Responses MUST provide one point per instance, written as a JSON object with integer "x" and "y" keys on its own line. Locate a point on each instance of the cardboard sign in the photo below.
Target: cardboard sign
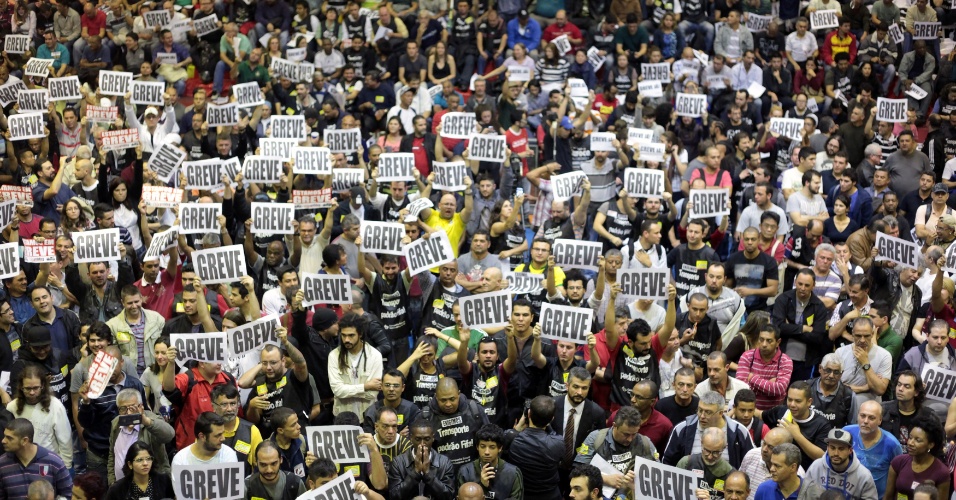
{"x": 253, "y": 336}
{"x": 101, "y": 370}
{"x": 916, "y": 92}
{"x": 660, "y": 72}
{"x": 9, "y": 260}
{"x": 644, "y": 182}
{"x": 203, "y": 174}
{"x": 519, "y": 74}
{"x": 449, "y": 176}
{"x": 148, "y": 93}
{"x": 166, "y": 58}
{"x": 457, "y": 125}
{"x": 564, "y": 186}
{"x": 272, "y": 218}
{"x": 284, "y": 68}
{"x": 650, "y": 88}
{"x": 115, "y": 82}
{"x": 940, "y": 383}
{"x": 637, "y": 136}
{"x": 487, "y": 147}
{"x": 199, "y": 218}
{"x": 289, "y": 127}
{"x": 382, "y": 237}
{"x": 342, "y": 140}
{"x": 314, "y": 161}
{"x": 338, "y": 443}
{"x": 891, "y": 110}
{"x": 27, "y": 126}
{"x": 757, "y": 23}
{"x": 262, "y": 169}
{"x": 563, "y": 44}
{"x": 525, "y": 283}
{"x": 16, "y": 44}
{"x": 595, "y": 58}
{"x": 787, "y": 127}
{"x": 326, "y": 289}
{"x": 21, "y": 194}
{"x": 312, "y": 198}
{"x": 38, "y": 67}
{"x": 64, "y": 89}
{"x": 602, "y": 141}
{"x": 650, "y": 284}
{"x": 101, "y": 113}
{"x": 340, "y": 488}
{"x": 656, "y": 481}
{"x": 156, "y": 18}
{"x": 220, "y": 265}
{"x": 206, "y": 25}
{"x": 824, "y": 19}
{"x": 222, "y": 481}
{"x": 33, "y": 100}
{"x": 297, "y": 55}
{"x": 709, "y": 202}
{"x": 162, "y": 196}
{"x": 6, "y": 212}
{"x": 486, "y": 310}
{"x": 165, "y": 161}
{"x": 39, "y": 252}
{"x": 904, "y": 253}
{"x": 118, "y": 140}
{"x": 574, "y": 254}
{"x": 160, "y": 243}
{"x": 425, "y": 254}
{"x": 10, "y": 92}
{"x": 226, "y": 115}
{"x": 926, "y": 31}
{"x": 277, "y": 147}
{"x": 570, "y": 324}
{"x": 653, "y": 151}
{"x": 345, "y": 178}
{"x": 895, "y": 33}
{"x": 248, "y": 94}
{"x": 396, "y": 167}
{"x": 692, "y": 105}
{"x": 96, "y": 246}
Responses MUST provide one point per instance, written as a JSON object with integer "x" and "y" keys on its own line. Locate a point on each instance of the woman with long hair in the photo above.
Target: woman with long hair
{"x": 422, "y": 370}
{"x": 669, "y": 39}
{"x": 839, "y": 227}
{"x": 622, "y": 75}
{"x": 273, "y": 51}
{"x": 675, "y": 160}
{"x": 140, "y": 480}
{"x": 73, "y": 219}
{"x": 866, "y": 74}
{"x": 391, "y": 140}
{"x": 746, "y": 338}
{"x": 508, "y": 239}
{"x": 441, "y": 65}
{"x": 152, "y": 378}
{"x": 519, "y": 57}
{"x": 33, "y": 402}
{"x": 922, "y": 460}
{"x": 24, "y": 21}
{"x": 552, "y": 68}
{"x": 810, "y": 82}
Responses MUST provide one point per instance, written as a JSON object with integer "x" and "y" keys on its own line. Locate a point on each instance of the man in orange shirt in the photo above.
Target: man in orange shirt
{"x": 838, "y": 41}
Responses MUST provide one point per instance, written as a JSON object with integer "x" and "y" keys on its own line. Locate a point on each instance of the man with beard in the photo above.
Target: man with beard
{"x": 50, "y": 193}
{"x": 619, "y": 446}
{"x": 718, "y": 380}
{"x": 808, "y": 428}
{"x": 487, "y": 380}
{"x": 578, "y": 417}
{"x": 354, "y": 368}
{"x": 272, "y": 483}
{"x": 196, "y": 317}
{"x": 840, "y": 469}
{"x": 277, "y": 300}
{"x": 899, "y": 416}
{"x": 240, "y": 434}
{"x": 686, "y": 259}
{"x": 388, "y": 300}
{"x": 421, "y": 469}
{"x": 208, "y": 448}
{"x": 866, "y": 366}
{"x": 752, "y": 274}
{"x": 136, "y": 329}
{"x": 497, "y": 477}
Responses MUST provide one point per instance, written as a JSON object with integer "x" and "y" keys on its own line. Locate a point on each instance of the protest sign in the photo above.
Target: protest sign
{"x": 382, "y": 237}
{"x": 38, "y": 67}
{"x": 272, "y": 218}
{"x": 564, "y": 186}
{"x": 926, "y": 31}
{"x": 574, "y": 254}
{"x": 21, "y": 194}
{"x": 162, "y": 196}
{"x": 149, "y": 93}
{"x": 602, "y": 141}
{"x": 199, "y": 218}
{"x": 916, "y": 92}
{"x": 160, "y": 243}
{"x": 579, "y": 88}
{"x": 33, "y": 100}
{"x": 222, "y": 481}
{"x": 644, "y": 182}
{"x": 487, "y": 147}
{"x": 457, "y": 125}
{"x": 518, "y": 74}
{"x": 247, "y": 94}
{"x": 563, "y": 44}
{"x": 338, "y": 443}
{"x": 343, "y": 140}
{"x": 757, "y": 23}
{"x": 340, "y": 488}
{"x": 651, "y": 151}
{"x": 9, "y": 260}
{"x": 692, "y": 105}
{"x": 156, "y": 18}
{"x": 660, "y": 72}
{"x": 166, "y": 58}
{"x": 16, "y": 44}
{"x": 650, "y": 88}
{"x": 595, "y": 58}
{"x": 891, "y": 110}
{"x": 650, "y": 284}
{"x": 525, "y": 283}
{"x": 570, "y": 324}
{"x": 220, "y": 265}
{"x": 206, "y": 25}
{"x": 262, "y": 169}
{"x": 115, "y": 82}
{"x": 326, "y": 289}
{"x": 486, "y": 310}
{"x": 6, "y": 212}
{"x": 100, "y": 372}
{"x": 895, "y": 33}
{"x": 449, "y": 176}
{"x": 180, "y": 27}
{"x": 824, "y": 19}
{"x": 656, "y": 481}
{"x": 289, "y": 127}
{"x": 222, "y": 116}
{"x": 305, "y": 72}
{"x": 791, "y": 128}
{"x": 756, "y": 90}
{"x": 709, "y": 202}
{"x": 637, "y": 136}
{"x": 284, "y": 68}
{"x": 940, "y": 383}
{"x": 96, "y": 246}
{"x": 203, "y": 174}
{"x": 314, "y": 161}
{"x": 64, "y": 89}
{"x": 281, "y": 148}
{"x": 10, "y": 92}
{"x": 312, "y": 198}
{"x": 296, "y": 55}
{"x": 253, "y": 335}
{"x": 26, "y": 126}
{"x": 396, "y": 167}
{"x": 118, "y": 140}
{"x": 424, "y": 254}
{"x": 166, "y": 160}
{"x": 344, "y": 178}
{"x": 39, "y": 252}
{"x": 102, "y": 113}
{"x": 902, "y": 252}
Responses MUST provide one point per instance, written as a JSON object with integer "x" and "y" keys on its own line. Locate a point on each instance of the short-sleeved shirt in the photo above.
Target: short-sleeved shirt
{"x": 454, "y": 227}
{"x": 877, "y": 458}
{"x": 906, "y": 477}
{"x": 752, "y": 273}
{"x": 798, "y": 202}
{"x": 629, "y": 41}
{"x": 880, "y": 360}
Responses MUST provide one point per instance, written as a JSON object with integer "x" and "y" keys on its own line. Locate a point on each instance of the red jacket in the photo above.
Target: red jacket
{"x": 833, "y": 45}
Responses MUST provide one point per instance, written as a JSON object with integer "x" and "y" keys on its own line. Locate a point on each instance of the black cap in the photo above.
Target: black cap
{"x": 262, "y": 197}
{"x": 37, "y": 336}
{"x": 523, "y": 13}
{"x": 323, "y": 318}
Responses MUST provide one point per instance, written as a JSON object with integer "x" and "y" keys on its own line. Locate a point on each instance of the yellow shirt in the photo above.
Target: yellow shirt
{"x": 527, "y": 268}
{"x": 256, "y": 439}
{"x": 455, "y": 228}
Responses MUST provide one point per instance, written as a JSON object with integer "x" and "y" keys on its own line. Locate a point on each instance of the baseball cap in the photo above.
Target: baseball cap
{"x": 940, "y": 188}
{"x": 839, "y": 436}
{"x": 315, "y": 135}
{"x": 37, "y": 336}
{"x": 151, "y": 111}
{"x": 262, "y": 198}
{"x": 523, "y": 13}
{"x": 566, "y": 123}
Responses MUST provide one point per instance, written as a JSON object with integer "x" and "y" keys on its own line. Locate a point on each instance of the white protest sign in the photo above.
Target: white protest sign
{"x": 6, "y": 212}
{"x": 199, "y": 218}
{"x": 916, "y": 92}
{"x": 26, "y": 126}
{"x": 564, "y": 186}
{"x": 904, "y": 253}
{"x": 637, "y": 136}
{"x": 253, "y": 336}
{"x": 340, "y": 488}
{"x": 570, "y": 324}
{"x": 203, "y": 174}
{"x": 787, "y": 127}
{"x": 487, "y": 147}
{"x": 602, "y": 141}
{"x": 891, "y": 110}
{"x": 525, "y": 283}
{"x": 179, "y": 27}
{"x": 166, "y": 160}
{"x": 222, "y": 481}
{"x": 343, "y": 140}
{"x": 650, "y": 88}
{"x": 701, "y": 56}
{"x": 262, "y": 169}
{"x": 272, "y": 218}
{"x": 206, "y": 25}
{"x": 926, "y": 31}
{"x": 96, "y": 246}
{"x": 940, "y": 383}
{"x": 326, "y": 289}
{"x": 160, "y": 243}
{"x": 9, "y": 260}
{"x": 10, "y": 91}
{"x": 344, "y": 178}
{"x": 424, "y": 254}
{"x": 277, "y": 147}
{"x": 823, "y": 19}
{"x": 296, "y": 55}
{"x": 415, "y": 208}
{"x": 220, "y": 265}
{"x": 38, "y": 67}
{"x": 382, "y": 237}
{"x": 449, "y": 176}
{"x": 578, "y": 87}
{"x": 486, "y": 310}
{"x": 162, "y": 196}
{"x": 396, "y": 167}
{"x": 315, "y": 161}
{"x": 656, "y": 481}
{"x": 101, "y": 370}
{"x": 284, "y": 67}
{"x": 289, "y": 127}
{"x": 651, "y": 151}
{"x": 64, "y": 89}
{"x": 757, "y": 23}
{"x": 21, "y": 194}
{"x": 156, "y": 18}
{"x": 563, "y": 44}
{"x": 305, "y": 72}
{"x": 650, "y": 284}
{"x": 166, "y": 58}
{"x": 222, "y": 116}
{"x": 595, "y": 58}
{"x": 574, "y": 254}
{"x": 338, "y": 443}
{"x": 660, "y": 72}
{"x": 102, "y": 113}
{"x": 115, "y": 82}
{"x": 692, "y": 105}
{"x": 16, "y": 44}
{"x": 118, "y": 140}
{"x": 34, "y": 100}
{"x": 756, "y": 90}
{"x": 247, "y": 94}
{"x": 312, "y": 198}
{"x": 709, "y": 202}
{"x": 39, "y": 252}
{"x": 644, "y": 182}
{"x": 895, "y": 33}
{"x": 457, "y": 125}
{"x": 519, "y": 74}
{"x": 149, "y": 93}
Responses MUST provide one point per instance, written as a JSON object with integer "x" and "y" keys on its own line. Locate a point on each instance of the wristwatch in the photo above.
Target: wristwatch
{"x": 866, "y": 367}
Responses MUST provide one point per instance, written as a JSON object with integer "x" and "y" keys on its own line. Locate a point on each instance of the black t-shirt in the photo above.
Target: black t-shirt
{"x": 691, "y": 266}
{"x": 704, "y": 342}
{"x": 752, "y": 273}
{"x": 815, "y": 429}
{"x": 675, "y": 412}
{"x": 420, "y": 386}
{"x": 492, "y": 35}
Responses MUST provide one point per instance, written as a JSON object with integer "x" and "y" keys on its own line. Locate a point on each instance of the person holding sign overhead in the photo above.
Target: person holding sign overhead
{"x": 486, "y": 380}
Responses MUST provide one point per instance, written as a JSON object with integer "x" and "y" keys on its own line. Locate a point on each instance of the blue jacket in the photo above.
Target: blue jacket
{"x": 531, "y": 37}
{"x": 861, "y": 205}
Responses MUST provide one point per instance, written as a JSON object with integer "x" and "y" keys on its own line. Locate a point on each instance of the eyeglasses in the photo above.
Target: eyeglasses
{"x": 711, "y": 453}
{"x": 228, "y": 405}
{"x": 143, "y": 460}
{"x": 129, "y": 409}
{"x": 828, "y": 371}
{"x": 707, "y": 413}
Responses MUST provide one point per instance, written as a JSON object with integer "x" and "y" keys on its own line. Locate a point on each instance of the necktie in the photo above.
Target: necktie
{"x": 569, "y": 438}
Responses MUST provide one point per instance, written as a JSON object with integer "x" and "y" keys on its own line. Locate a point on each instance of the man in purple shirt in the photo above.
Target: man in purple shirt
{"x": 24, "y": 462}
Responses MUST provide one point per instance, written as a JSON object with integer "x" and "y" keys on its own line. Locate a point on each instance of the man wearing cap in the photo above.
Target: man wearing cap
{"x": 526, "y": 31}
{"x": 316, "y": 344}
{"x": 927, "y": 216}
{"x": 839, "y": 469}
{"x": 38, "y": 350}
{"x": 404, "y": 110}
{"x": 151, "y": 134}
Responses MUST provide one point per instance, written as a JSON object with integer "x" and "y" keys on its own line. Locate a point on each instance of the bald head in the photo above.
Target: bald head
{"x": 778, "y": 435}
{"x": 447, "y": 385}
{"x": 471, "y": 491}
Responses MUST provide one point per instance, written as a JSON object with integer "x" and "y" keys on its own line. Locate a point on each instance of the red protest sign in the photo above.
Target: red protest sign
{"x": 100, "y": 372}
{"x": 39, "y": 252}
{"x": 21, "y": 194}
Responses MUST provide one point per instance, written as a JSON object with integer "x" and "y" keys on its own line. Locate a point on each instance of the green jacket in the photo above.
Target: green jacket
{"x": 123, "y": 336}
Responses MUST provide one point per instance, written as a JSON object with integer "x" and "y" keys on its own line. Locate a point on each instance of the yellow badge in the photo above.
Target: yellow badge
{"x": 281, "y": 383}
{"x": 565, "y": 376}
{"x": 491, "y": 383}
{"x": 702, "y": 264}
{"x": 719, "y": 485}
{"x": 438, "y": 303}
{"x": 64, "y": 370}
{"x": 401, "y": 419}
{"x": 15, "y": 345}
{"x": 354, "y": 469}
{"x": 123, "y": 337}
{"x": 628, "y": 351}
{"x": 179, "y": 307}
{"x": 379, "y": 99}
{"x": 262, "y": 389}
{"x": 258, "y": 498}
{"x": 583, "y": 449}
{"x": 242, "y": 447}
{"x": 810, "y": 320}
{"x": 900, "y": 496}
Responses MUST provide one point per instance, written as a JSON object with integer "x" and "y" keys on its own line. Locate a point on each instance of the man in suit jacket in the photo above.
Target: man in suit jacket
{"x": 801, "y": 317}
{"x": 588, "y": 417}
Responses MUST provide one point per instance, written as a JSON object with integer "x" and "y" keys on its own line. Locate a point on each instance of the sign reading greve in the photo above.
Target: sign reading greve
{"x": 16, "y": 44}
{"x": 571, "y": 324}
{"x": 223, "y": 481}
{"x": 487, "y": 147}
{"x": 116, "y": 140}
{"x": 926, "y": 31}
{"x": 10, "y": 260}
{"x": 262, "y": 169}
{"x": 162, "y": 196}
{"x": 247, "y": 94}
{"x": 326, "y": 289}
{"x": 222, "y": 116}
{"x": 96, "y": 246}
{"x": 165, "y": 161}
{"x": 277, "y": 147}
{"x": 272, "y": 218}
{"x": 101, "y": 369}
{"x": 904, "y": 253}
{"x": 660, "y": 72}
{"x": 342, "y": 141}
{"x": 148, "y": 93}
{"x": 574, "y": 254}
{"x": 64, "y": 89}
{"x": 34, "y": 100}
{"x": 525, "y": 283}
{"x": 656, "y": 481}
{"x": 458, "y": 125}
{"x": 486, "y": 310}
{"x": 340, "y": 488}
{"x": 156, "y": 18}
{"x": 220, "y": 265}
{"x": 709, "y": 202}
{"x": 315, "y": 161}
{"x": 199, "y": 218}
{"x": 289, "y": 127}
{"x": 21, "y": 194}
{"x": 312, "y": 198}
{"x": 602, "y": 141}
{"x": 891, "y": 110}
{"x": 101, "y": 113}
{"x": 692, "y": 105}
{"x": 338, "y": 443}
{"x": 10, "y": 91}
{"x": 161, "y": 242}
{"x": 26, "y": 126}
{"x": 940, "y": 383}
{"x": 426, "y": 253}
{"x": 824, "y": 19}
{"x": 39, "y": 252}
{"x": 253, "y": 336}
{"x": 791, "y": 128}
{"x": 396, "y": 167}
{"x": 649, "y": 284}
{"x": 344, "y": 178}
{"x": 115, "y": 82}
{"x": 565, "y": 186}
{"x": 644, "y": 182}
{"x": 203, "y": 174}
{"x": 382, "y": 237}
{"x": 449, "y": 176}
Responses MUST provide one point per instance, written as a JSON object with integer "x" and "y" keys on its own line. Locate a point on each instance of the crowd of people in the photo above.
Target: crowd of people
{"x": 789, "y": 360}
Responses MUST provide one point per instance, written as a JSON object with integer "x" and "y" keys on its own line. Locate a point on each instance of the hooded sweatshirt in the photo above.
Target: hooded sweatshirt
{"x": 855, "y": 483}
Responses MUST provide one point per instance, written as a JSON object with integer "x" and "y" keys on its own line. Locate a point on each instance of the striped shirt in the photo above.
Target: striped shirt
{"x": 603, "y": 187}
{"x": 769, "y": 381}
{"x": 552, "y": 73}
{"x": 828, "y": 286}
{"x": 15, "y": 479}
{"x": 888, "y": 146}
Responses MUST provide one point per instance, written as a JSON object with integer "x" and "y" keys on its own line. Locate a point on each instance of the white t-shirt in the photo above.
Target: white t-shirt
{"x": 185, "y": 457}
{"x": 273, "y": 302}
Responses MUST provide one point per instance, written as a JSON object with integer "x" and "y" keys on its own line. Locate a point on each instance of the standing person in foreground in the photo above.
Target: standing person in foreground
{"x": 24, "y": 462}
